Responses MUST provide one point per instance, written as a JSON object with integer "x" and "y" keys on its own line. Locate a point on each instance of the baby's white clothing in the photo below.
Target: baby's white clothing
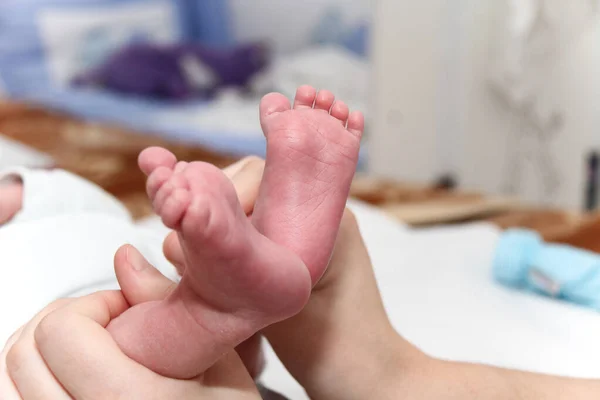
{"x": 57, "y": 192}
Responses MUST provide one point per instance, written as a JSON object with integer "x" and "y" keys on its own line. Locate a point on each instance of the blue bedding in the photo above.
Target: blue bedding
{"x": 147, "y": 115}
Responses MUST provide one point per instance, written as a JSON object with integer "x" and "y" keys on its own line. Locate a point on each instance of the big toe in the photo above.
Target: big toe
{"x": 155, "y": 157}
{"x": 273, "y": 103}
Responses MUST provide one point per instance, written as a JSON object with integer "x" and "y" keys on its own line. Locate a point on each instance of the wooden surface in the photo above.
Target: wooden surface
{"x": 104, "y": 154}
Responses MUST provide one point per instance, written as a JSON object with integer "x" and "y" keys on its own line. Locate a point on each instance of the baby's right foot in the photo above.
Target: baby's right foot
{"x": 312, "y": 155}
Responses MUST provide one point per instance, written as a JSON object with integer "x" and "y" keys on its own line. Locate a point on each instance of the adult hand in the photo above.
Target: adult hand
{"x": 65, "y": 353}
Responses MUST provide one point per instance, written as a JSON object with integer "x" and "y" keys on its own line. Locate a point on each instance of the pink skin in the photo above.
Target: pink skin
{"x": 242, "y": 276}
{"x": 236, "y": 281}
{"x": 312, "y": 153}
{"x": 11, "y": 200}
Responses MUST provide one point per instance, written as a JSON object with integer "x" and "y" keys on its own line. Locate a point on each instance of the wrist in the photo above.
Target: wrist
{"x": 400, "y": 373}
{"x": 377, "y": 366}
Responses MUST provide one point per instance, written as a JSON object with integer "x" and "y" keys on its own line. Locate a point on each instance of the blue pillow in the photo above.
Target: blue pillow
{"x": 44, "y": 42}
{"x": 210, "y": 21}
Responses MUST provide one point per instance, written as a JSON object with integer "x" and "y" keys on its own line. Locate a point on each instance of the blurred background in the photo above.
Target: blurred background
{"x": 475, "y": 109}
{"x": 91, "y": 83}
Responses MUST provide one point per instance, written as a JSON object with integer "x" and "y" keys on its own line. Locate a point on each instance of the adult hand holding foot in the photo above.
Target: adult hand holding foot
{"x": 66, "y": 353}
{"x": 242, "y": 275}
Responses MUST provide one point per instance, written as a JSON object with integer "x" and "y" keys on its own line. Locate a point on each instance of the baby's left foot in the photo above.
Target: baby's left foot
{"x": 235, "y": 283}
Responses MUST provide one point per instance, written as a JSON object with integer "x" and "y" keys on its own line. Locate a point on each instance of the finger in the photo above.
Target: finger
{"x": 25, "y": 366}
{"x": 349, "y": 249}
{"x": 80, "y": 352}
{"x": 30, "y": 374}
{"x": 27, "y": 328}
{"x": 88, "y": 363}
{"x": 246, "y": 176}
{"x": 174, "y": 253}
{"x": 100, "y": 307}
{"x": 11, "y": 340}
{"x": 228, "y": 379}
{"x": 8, "y": 390}
{"x": 140, "y": 282}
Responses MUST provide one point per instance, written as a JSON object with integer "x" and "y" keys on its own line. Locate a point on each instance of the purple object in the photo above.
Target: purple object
{"x": 178, "y": 71}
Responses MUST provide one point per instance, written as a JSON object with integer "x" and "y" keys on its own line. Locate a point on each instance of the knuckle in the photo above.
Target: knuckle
{"x": 50, "y": 326}
{"x": 17, "y": 356}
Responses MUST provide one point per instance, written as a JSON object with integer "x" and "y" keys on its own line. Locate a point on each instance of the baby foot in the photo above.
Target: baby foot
{"x": 235, "y": 283}
{"x": 312, "y": 154}
{"x": 11, "y": 200}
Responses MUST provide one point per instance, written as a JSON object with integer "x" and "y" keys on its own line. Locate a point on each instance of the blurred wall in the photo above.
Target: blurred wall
{"x": 434, "y": 112}
{"x": 419, "y": 62}
{"x": 290, "y": 23}
{"x": 573, "y": 86}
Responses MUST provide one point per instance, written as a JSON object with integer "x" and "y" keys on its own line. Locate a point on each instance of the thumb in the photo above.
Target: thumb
{"x": 140, "y": 282}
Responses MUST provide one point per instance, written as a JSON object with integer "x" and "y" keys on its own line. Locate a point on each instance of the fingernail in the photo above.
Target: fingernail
{"x": 135, "y": 259}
